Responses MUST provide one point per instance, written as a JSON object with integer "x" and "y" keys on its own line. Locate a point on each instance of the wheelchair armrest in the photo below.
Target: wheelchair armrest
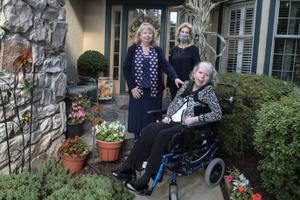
{"x": 198, "y": 125}
{"x": 159, "y": 112}
{"x": 154, "y": 115}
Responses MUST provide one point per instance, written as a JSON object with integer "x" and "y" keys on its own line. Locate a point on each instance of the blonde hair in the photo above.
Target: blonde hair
{"x": 143, "y": 26}
{"x": 213, "y": 73}
{"x": 185, "y": 25}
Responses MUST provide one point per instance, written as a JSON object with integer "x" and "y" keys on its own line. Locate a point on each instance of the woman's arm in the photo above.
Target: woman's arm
{"x": 165, "y": 65}
{"x": 128, "y": 67}
{"x": 207, "y": 96}
{"x": 196, "y": 56}
{"x": 210, "y": 98}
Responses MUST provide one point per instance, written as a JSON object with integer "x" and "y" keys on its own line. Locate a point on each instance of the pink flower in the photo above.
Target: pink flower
{"x": 229, "y": 179}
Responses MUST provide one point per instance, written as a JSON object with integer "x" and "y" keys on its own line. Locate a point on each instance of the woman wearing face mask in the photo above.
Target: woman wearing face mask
{"x": 184, "y": 56}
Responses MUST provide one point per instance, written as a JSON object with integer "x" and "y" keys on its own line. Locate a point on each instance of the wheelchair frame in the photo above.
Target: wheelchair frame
{"x": 180, "y": 163}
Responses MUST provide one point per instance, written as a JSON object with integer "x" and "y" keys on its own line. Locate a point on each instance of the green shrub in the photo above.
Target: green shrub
{"x": 91, "y": 62}
{"x": 236, "y": 128}
{"x": 50, "y": 181}
{"x": 277, "y": 139}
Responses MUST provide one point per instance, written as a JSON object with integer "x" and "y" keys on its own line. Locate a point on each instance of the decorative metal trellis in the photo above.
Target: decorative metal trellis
{"x": 10, "y": 88}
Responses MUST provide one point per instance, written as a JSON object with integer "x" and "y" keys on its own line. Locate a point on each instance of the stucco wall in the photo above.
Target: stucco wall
{"x": 94, "y": 25}
{"x": 74, "y": 40}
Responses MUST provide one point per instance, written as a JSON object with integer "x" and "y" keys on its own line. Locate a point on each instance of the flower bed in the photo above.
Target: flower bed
{"x": 239, "y": 188}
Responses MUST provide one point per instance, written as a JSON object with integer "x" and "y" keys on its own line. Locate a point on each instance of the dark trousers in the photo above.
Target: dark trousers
{"x": 154, "y": 141}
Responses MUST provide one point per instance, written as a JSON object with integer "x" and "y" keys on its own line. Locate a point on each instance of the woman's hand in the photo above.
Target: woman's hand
{"x": 136, "y": 92}
{"x": 178, "y": 82}
{"x": 166, "y": 120}
{"x": 190, "y": 120}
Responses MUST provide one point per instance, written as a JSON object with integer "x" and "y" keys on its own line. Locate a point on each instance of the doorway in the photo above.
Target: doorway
{"x": 125, "y": 20}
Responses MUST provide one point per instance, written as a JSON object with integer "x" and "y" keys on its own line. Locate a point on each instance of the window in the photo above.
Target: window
{"x": 172, "y": 29}
{"x": 116, "y": 45}
{"x": 238, "y": 31}
{"x": 286, "y": 53}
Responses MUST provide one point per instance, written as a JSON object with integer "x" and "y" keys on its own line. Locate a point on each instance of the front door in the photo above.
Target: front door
{"x": 124, "y": 24}
{"x": 125, "y": 20}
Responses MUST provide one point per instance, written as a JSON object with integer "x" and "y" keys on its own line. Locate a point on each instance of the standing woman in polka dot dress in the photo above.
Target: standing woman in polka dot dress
{"x": 142, "y": 69}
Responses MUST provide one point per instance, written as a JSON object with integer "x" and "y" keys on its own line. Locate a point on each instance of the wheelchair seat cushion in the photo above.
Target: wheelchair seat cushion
{"x": 190, "y": 139}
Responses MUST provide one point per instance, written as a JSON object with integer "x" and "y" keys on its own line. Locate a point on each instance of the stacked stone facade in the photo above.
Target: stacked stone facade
{"x": 41, "y": 26}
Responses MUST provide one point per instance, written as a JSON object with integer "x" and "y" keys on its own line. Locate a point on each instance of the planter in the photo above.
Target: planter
{"x": 72, "y": 163}
{"x": 73, "y": 130}
{"x": 109, "y": 151}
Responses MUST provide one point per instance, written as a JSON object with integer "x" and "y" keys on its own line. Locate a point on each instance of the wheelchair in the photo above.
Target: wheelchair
{"x": 194, "y": 148}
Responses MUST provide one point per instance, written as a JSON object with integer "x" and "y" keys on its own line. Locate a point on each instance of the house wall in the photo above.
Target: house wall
{"x": 75, "y": 35}
{"x": 94, "y": 25}
{"x": 86, "y": 27}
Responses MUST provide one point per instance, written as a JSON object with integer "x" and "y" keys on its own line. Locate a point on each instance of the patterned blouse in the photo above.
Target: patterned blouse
{"x": 205, "y": 98}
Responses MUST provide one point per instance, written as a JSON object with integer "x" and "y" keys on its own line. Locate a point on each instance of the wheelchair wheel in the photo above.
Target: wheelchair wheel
{"x": 214, "y": 172}
{"x": 173, "y": 192}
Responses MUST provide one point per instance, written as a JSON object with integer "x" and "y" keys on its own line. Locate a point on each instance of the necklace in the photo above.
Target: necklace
{"x": 146, "y": 49}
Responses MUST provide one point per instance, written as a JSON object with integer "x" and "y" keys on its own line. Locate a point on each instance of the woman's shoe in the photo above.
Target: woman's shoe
{"x": 135, "y": 187}
{"x": 123, "y": 173}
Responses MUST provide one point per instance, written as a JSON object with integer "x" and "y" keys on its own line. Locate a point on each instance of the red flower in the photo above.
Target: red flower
{"x": 256, "y": 196}
{"x": 241, "y": 188}
{"x": 76, "y": 139}
{"x": 229, "y": 179}
{"x": 74, "y": 146}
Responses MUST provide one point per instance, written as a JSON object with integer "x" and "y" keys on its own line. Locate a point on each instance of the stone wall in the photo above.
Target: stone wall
{"x": 41, "y": 26}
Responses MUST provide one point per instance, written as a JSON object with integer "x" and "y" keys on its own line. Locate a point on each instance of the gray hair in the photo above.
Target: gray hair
{"x": 145, "y": 25}
{"x": 213, "y": 73}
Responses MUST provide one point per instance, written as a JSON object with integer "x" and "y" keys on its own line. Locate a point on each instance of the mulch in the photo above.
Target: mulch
{"x": 247, "y": 165}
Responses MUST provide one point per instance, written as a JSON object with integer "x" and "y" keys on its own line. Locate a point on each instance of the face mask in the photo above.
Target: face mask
{"x": 184, "y": 38}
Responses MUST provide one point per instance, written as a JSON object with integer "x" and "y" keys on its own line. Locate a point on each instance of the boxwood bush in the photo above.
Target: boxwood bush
{"x": 91, "y": 62}
{"x": 277, "y": 139}
{"x": 50, "y": 181}
{"x": 237, "y": 126}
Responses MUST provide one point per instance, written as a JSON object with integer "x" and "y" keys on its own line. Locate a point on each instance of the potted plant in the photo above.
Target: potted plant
{"x": 91, "y": 63}
{"x": 109, "y": 139}
{"x": 73, "y": 153}
{"x": 77, "y": 115}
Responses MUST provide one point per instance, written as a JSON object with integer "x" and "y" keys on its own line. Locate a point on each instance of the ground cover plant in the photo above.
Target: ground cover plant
{"x": 50, "y": 181}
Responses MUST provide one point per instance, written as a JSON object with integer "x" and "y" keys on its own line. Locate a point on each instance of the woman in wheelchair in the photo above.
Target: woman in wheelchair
{"x": 155, "y": 137}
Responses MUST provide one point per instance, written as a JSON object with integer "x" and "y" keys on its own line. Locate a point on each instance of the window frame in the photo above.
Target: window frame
{"x": 278, "y": 36}
{"x": 225, "y": 32}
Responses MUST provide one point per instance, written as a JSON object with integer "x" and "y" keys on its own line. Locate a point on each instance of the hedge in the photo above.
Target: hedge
{"x": 51, "y": 182}
{"x": 277, "y": 139}
{"x": 237, "y": 126}
{"x": 91, "y": 62}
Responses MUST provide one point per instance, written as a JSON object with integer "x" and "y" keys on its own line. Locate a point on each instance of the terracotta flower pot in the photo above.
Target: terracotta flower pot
{"x": 108, "y": 151}
{"x": 72, "y": 163}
